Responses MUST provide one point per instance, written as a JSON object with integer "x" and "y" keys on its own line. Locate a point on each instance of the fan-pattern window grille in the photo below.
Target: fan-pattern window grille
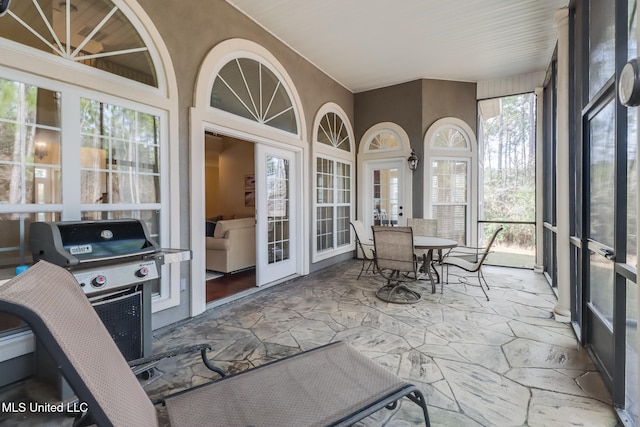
{"x": 450, "y": 138}
{"x": 384, "y": 141}
{"x": 333, "y": 132}
{"x": 91, "y": 32}
{"x": 249, "y": 89}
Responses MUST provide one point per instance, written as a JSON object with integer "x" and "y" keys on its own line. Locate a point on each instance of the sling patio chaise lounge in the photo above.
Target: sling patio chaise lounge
{"x": 329, "y": 385}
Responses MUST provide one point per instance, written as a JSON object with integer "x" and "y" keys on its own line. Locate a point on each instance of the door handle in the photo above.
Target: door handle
{"x": 400, "y": 214}
{"x": 607, "y": 253}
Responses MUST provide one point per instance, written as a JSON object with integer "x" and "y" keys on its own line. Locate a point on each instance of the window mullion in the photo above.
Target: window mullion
{"x": 71, "y": 156}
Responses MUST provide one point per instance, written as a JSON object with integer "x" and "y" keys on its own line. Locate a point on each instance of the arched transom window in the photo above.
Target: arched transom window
{"x": 91, "y": 32}
{"x": 384, "y": 141}
{"x": 250, "y": 89}
{"x": 333, "y": 132}
{"x": 450, "y": 138}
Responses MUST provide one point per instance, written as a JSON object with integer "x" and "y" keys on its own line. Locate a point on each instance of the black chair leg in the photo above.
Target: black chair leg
{"x": 480, "y": 280}
{"x": 364, "y": 260}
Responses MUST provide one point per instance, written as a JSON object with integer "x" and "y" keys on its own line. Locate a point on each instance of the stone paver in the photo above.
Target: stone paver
{"x": 503, "y": 362}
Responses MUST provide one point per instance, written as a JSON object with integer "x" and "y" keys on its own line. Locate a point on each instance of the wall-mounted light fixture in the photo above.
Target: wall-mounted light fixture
{"x": 41, "y": 149}
{"x": 413, "y": 160}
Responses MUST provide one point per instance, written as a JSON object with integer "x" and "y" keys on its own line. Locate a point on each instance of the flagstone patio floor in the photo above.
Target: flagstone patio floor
{"x": 503, "y": 362}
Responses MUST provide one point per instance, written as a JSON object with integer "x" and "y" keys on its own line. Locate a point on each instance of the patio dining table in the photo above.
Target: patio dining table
{"x": 431, "y": 244}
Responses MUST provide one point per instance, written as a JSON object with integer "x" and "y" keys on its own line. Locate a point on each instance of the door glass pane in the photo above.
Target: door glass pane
{"x": 601, "y": 285}
{"x": 385, "y": 197}
{"x": 632, "y": 150}
{"x": 602, "y": 175}
{"x": 632, "y": 187}
{"x": 601, "y": 44}
{"x": 632, "y": 352}
{"x": 277, "y": 209}
{"x": 632, "y": 42}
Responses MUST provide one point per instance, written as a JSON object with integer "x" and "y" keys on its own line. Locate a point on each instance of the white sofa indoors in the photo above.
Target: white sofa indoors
{"x": 233, "y": 245}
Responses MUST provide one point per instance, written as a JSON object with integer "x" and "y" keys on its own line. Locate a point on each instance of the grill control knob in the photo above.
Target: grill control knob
{"x": 143, "y": 272}
{"x": 99, "y": 281}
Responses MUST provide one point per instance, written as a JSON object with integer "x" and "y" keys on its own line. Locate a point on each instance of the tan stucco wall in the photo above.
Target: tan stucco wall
{"x": 190, "y": 29}
{"x": 415, "y": 106}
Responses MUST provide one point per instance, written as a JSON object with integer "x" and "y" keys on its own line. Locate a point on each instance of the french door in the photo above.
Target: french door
{"x": 600, "y": 232}
{"x": 604, "y": 239}
{"x": 276, "y": 195}
{"x": 384, "y": 204}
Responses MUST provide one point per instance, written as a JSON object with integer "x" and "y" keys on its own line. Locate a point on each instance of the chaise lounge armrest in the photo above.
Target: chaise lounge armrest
{"x": 202, "y": 348}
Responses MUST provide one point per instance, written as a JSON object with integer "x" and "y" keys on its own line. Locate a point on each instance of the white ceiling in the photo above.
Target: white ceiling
{"x": 366, "y": 44}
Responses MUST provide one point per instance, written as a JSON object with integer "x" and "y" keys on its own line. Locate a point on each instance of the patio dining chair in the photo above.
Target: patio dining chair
{"x": 330, "y": 385}
{"x": 365, "y": 248}
{"x": 459, "y": 257}
{"x": 425, "y": 227}
{"x": 396, "y": 262}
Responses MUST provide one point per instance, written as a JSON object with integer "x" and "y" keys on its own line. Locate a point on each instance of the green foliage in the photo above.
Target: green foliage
{"x": 508, "y": 155}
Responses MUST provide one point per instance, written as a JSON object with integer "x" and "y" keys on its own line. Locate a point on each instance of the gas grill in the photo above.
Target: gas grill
{"x": 102, "y": 255}
{"x": 115, "y": 263}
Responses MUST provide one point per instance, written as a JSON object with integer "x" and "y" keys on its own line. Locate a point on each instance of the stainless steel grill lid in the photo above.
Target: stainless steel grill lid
{"x": 70, "y": 243}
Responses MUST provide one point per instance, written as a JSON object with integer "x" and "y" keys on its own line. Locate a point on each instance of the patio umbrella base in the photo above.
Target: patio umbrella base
{"x": 398, "y": 293}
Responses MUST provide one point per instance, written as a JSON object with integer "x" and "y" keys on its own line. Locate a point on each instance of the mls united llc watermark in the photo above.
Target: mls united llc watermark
{"x": 35, "y": 407}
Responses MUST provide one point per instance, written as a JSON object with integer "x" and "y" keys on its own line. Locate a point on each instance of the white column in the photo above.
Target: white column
{"x": 562, "y": 310}
{"x": 539, "y": 263}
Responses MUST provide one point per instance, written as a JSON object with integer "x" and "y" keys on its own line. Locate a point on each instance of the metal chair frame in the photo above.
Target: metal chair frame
{"x": 357, "y": 224}
{"x": 392, "y": 258}
{"x": 471, "y": 267}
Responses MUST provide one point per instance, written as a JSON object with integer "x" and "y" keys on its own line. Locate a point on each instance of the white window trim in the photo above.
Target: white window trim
{"x": 17, "y": 344}
{"x": 365, "y": 157}
{"x": 25, "y": 64}
{"x": 441, "y": 153}
{"x": 204, "y": 117}
{"x": 319, "y": 255}
{"x": 334, "y": 154}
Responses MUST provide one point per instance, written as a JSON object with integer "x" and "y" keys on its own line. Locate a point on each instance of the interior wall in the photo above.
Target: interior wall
{"x": 236, "y": 161}
{"x": 212, "y": 186}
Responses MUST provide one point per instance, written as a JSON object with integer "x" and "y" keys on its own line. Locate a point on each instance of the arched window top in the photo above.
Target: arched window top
{"x": 96, "y": 33}
{"x": 450, "y": 134}
{"x": 333, "y": 131}
{"x": 384, "y": 140}
{"x": 450, "y": 137}
{"x": 251, "y": 89}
